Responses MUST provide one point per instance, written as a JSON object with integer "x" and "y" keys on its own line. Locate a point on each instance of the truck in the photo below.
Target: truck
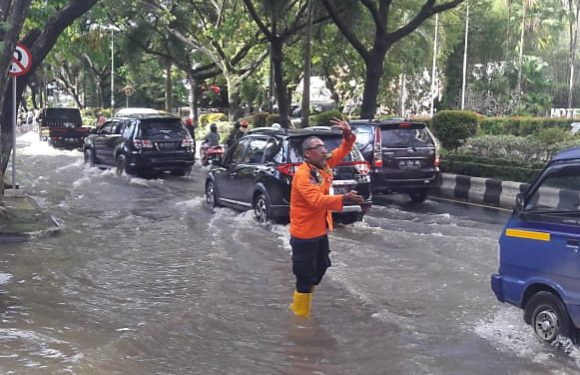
{"x": 63, "y": 128}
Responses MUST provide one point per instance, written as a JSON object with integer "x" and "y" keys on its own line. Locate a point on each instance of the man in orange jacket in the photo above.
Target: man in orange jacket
{"x": 311, "y": 216}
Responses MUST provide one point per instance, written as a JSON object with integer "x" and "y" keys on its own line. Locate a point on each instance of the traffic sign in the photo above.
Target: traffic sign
{"x": 21, "y": 61}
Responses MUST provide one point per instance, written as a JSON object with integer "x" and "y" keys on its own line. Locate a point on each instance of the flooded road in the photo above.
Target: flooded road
{"x": 144, "y": 279}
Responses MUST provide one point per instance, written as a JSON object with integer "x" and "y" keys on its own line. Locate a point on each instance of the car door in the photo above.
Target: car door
{"x": 99, "y": 143}
{"x": 544, "y": 237}
{"x": 249, "y": 168}
{"x": 114, "y": 140}
{"x": 227, "y": 177}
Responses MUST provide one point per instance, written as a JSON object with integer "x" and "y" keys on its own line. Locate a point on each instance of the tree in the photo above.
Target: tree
{"x": 40, "y": 42}
{"x": 383, "y": 16}
{"x": 281, "y": 21}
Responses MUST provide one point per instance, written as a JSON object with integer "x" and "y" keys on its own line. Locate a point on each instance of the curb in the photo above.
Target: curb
{"x": 486, "y": 191}
{"x": 22, "y": 219}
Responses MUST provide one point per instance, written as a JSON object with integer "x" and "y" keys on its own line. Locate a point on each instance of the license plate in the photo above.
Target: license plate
{"x": 165, "y": 145}
{"x": 410, "y": 164}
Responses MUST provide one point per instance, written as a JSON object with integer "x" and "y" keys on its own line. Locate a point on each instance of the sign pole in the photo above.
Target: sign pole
{"x": 14, "y": 117}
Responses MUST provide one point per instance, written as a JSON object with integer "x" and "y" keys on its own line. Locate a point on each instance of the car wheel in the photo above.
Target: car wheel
{"x": 418, "y": 196}
{"x": 262, "y": 208}
{"x": 181, "y": 172}
{"x": 87, "y": 155}
{"x": 548, "y": 316}
{"x": 121, "y": 165}
{"x": 211, "y": 197}
{"x": 350, "y": 217}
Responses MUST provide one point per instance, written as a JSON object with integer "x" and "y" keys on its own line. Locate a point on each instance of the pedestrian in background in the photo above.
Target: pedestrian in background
{"x": 311, "y": 206}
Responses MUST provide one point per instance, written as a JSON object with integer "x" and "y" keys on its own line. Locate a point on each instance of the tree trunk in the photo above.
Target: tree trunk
{"x": 277, "y": 59}
{"x": 168, "y": 86}
{"x": 374, "y": 72}
{"x": 307, "y": 66}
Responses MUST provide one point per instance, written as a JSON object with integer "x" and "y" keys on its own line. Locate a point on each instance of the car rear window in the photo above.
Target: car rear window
{"x": 332, "y": 143}
{"x": 156, "y": 128}
{"x": 415, "y": 136}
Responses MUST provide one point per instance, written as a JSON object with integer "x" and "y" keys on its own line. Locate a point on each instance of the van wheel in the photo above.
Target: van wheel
{"x": 262, "y": 208}
{"x": 418, "y": 196}
{"x": 121, "y": 165}
{"x": 549, "y": 317}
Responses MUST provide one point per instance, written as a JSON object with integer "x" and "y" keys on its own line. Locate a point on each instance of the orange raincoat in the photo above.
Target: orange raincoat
{"x": 310, "y": 204}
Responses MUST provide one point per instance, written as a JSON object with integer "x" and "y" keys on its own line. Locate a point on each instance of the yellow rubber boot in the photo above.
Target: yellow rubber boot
{"x": 301, "y": 304}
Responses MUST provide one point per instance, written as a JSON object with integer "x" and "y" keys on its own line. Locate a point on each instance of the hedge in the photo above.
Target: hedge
{"x": 520, "y": 126}
{"x": 498, "y": 172}
{"x": 453, "y": 127}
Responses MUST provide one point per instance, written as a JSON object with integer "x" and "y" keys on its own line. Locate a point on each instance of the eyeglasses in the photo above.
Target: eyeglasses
{"x": 320, "y": 146}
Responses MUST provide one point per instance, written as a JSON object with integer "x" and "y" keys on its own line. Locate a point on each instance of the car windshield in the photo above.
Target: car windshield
{"x": 406, "y": 137}
{"x": 295, "y": 148}
{"x": 161, "y": 128}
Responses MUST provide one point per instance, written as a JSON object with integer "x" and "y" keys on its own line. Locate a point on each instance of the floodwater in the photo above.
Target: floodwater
{"x": 145, "y": 279}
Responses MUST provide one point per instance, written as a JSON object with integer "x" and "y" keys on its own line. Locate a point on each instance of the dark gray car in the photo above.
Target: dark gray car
{"x": 404, "y": 156}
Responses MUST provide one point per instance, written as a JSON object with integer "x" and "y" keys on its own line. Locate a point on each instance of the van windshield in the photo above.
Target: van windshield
{"x": 559, "y": 192}
{"x": 406, "y": 137}
{"x": 332, "y": 143}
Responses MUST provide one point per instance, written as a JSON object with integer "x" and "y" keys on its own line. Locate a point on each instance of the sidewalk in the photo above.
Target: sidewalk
{"x": 22, "y": 218}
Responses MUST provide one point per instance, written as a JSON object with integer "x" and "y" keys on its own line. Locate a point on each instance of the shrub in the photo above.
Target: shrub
{"x": 521, "y": 126}
{"x": 498, "y": 172}
{"x": 208, "y": 118}
{"x": 323, "y": 118}
{"x": 272, "y": 118}
{"x": 453, "y": 127}
{"x": 258, "y": 119}
{"x": 553, "y": 135}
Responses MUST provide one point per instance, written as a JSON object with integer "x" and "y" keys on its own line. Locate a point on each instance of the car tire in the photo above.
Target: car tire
{"x": 351, "y": 217}
{"x": 120, "y": 165}
{"x": 89, "y": 158}
{"x": 418, "y": 196}
{"x": 548, "y": 317}
{"x": 211, "y": 196}
{"x": 181, "y": 172}
{"x": 262, "y": 211}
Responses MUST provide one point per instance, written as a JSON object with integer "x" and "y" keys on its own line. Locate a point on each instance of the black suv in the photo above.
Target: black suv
{"x": 404, "y": 156}
{"x": 144, "y": 145}
{"x": 256, "y": 173}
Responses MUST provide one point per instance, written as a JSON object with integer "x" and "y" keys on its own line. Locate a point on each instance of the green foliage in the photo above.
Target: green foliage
{"x": 551, "y": 136}
{"x": 520, "y": 126}
{"x": 208, "y": 118}
{"x": 488, "y": 169}
{"x": 272, "y": 118}
{"x": 453, "y": 127}
{"x": 323, "y": 119}
{"x": 259, "y": 119}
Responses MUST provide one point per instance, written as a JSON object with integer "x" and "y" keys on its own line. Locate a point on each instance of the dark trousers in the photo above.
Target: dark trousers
{"x": 310, "y": 259}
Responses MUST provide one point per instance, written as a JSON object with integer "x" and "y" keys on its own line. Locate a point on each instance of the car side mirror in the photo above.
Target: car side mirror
{"x": 519, "y": 203}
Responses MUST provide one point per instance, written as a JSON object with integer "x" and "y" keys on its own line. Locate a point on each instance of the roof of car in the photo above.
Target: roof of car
{"x": 314, "y": 130}
{"x": 142, "y": 112}
{"x": 569, "y": 154}
{"x": 390, "y": 121}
